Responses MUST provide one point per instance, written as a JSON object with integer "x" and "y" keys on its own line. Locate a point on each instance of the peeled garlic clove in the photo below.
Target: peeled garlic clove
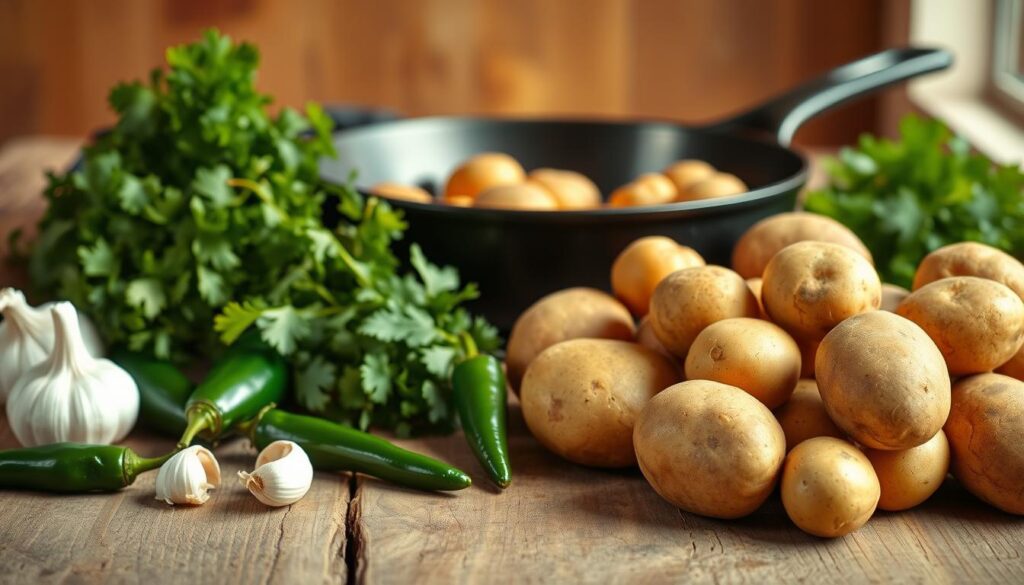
{"x": 283, "y": 474}
{"x": 188, "y": 476}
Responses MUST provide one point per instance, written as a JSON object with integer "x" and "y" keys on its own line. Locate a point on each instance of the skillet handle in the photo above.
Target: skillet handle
{"x": 782, "y": 115}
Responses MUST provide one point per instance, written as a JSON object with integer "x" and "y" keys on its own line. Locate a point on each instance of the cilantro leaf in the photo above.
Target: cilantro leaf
{"x": 409, "y": 324}
{"x": 376, "y": 377}
{"x": 438, "y": 359}
{"x": 436, "y": 280}
{"x": 213, "y": 184}
{"x": 312, "y": 382}
{"x": 282, "y": 328}
{"x": 147, "y": 294}
{"x": 98, "y": 260}
{"x": 235, "y": 319}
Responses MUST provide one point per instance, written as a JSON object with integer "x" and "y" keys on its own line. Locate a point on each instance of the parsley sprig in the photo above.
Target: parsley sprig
{"x": 197, "y": 217}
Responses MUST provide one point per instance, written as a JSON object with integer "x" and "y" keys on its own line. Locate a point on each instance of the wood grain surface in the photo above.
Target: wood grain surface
{"x": 557, "y": 523}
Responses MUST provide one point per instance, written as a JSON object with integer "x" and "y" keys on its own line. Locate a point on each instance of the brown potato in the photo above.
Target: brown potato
{"x": 810, "y": 287}
{"x": 570, "y": 190}
{"x": 649, "y": 189}
{"x": 911, "y": 476}
{"x": 883, "y": 381}
{"x": 458, "y": 201}
{"x": 808, "y": 352}
{"x": 986, "y": 437}
{"x": 645, "y": 336}
{"x": 971, "y": 259}
{"x": 709, "y": 448}
{"x": 977, "y": 324}
{"x": 483, "y": 171}
{"x": 829, "y": 488}
{"x": 756, "y": 356}
{"x": 685, "y": 173}
{"x": 581, "y": 397}
{"x": 568, "y": 314}
{"x": 1014, "y": 367}
{"x": 717, "y": 185}
{"x": 804, "y": 417}
{"x": 767, "y": 237}
{"x": 892, "y": 296}
{"x": 404, "y": 192}
{"x": 755, "y": 285}
{"x": 643, "y": 264}
{"x": 687, "y": 301}
{"x": 524, "y": 196}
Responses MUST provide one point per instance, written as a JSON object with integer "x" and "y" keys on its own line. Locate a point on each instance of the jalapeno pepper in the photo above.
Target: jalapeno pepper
{"x": 73, "y": 467}
{"x": 334, "y": 447}
{"x": 243, "y": 382}
{"x": 163, "y": 392}
{"x": 481, "y": 398}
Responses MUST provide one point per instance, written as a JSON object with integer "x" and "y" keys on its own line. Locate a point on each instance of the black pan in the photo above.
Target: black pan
{"x": 518, "y": 256}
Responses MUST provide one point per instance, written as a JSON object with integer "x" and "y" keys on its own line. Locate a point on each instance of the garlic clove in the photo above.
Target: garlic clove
{"x": 27, "y": 337}
{"x": 188, "y": 476}
{"x": 282, "y": 476}
{"x": 72, "y": 396}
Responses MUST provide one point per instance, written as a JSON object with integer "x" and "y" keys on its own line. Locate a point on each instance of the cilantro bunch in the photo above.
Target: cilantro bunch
{"x": 198, "y": 217}
{"x": 908, "y": 197}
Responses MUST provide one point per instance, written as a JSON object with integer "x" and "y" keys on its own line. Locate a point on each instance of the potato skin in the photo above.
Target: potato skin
{"x": 687, "y": 301}
{"x": 645, "y": 336}
{"x": 709, "y": 448}
{"x": 986, "y": 437}
{"x": 769, "y": 236}
{"x": 971, "y": 259}
{"x": 685, "y": 173}
{"x": 717, "y": 185}
{"x": 883, "y": 381}
{"x": 523, "y": 196}
{"x": 1014, "y": 367}
{"x": 977, "y": 324}
{"x": 400, "y": 191}
{"x": 911, "y": 476}
{"x": 809, "y": 287}
{"x": 829, "y": 488}
{"x": 483, "y": 171}
{"x": 755, "y": 284}
{"x": 649, "y": 189}
{"x": 803, "y": 416}
{"x": 892, "y": 296}
{"x": 639, "y": 268}
{"x": 568, "y": 314}
{"x": 569, "y": 189}
{"x": 754, "y": 355}
{"x": 581, "y": 398}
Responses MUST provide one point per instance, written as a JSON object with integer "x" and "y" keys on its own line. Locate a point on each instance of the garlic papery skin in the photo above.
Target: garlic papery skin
{"x": 72, "y": 396}
{"x": 188, "y": 477}
{"x": 27, "y": 337}
{"x": 283, "y": 474}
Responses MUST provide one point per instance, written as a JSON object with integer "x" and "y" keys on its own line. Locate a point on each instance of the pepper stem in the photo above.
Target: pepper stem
{"x": 248, "y": 428}
{"x": 468, "y": 345}
{"x": 134, "y": 465}
{"x": 199, "y": 419}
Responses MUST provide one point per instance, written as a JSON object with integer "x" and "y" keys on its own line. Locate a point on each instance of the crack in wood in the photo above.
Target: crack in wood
{"x": 355, "y": 549}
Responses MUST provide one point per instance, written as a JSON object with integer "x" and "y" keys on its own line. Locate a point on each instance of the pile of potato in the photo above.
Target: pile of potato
{"x": 498, "y": 181}
{"x": 801, "y": 369}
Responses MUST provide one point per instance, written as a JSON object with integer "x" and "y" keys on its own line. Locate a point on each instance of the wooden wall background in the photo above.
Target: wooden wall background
{"x": 689, "y": 60}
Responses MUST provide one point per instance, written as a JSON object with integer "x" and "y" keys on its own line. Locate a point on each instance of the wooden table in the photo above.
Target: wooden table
{"x": 557, "y": 523}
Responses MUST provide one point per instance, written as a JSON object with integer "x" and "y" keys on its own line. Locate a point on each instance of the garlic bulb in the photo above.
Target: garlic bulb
{"x": 283, "y": 474}
{"x": 188, "y": 476}
{"x": 26, "y": 337}
{"x": 72, "y": 396}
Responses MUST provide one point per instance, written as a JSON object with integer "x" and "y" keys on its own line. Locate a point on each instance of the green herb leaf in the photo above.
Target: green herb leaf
{"x": 147, "y": 294}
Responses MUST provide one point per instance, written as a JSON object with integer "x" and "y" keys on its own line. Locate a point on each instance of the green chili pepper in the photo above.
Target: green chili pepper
{"x": 163, "y": 392}
{"x": 478, "y": 386}
{"x": 242, "y": 383}
{"x": 334, "y": 447}
{"x": 73, "y": 467}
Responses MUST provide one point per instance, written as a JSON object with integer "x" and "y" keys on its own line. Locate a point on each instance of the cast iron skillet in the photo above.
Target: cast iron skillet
{"x": 518, "y": 256}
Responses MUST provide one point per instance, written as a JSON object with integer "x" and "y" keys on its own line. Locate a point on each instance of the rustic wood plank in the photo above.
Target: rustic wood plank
{"x": 130, "y": 536}
{"x": 563, "y": 523}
